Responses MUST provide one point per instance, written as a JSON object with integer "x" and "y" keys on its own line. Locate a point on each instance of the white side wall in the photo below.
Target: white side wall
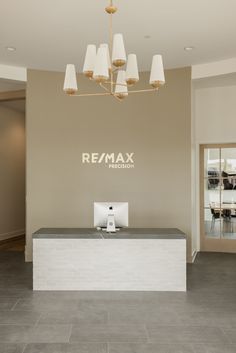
{"x": 214, "y": 121}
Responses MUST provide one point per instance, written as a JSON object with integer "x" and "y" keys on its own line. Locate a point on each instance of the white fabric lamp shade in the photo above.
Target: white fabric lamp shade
{"x": 157, "y": 76}
{"x": 101, "y": 72}
{"x": 104, "y": 45}
{"x": 89, "y": 61}
{"x": 121, "y": 90}
{"x": 70, "y": 82}
{"x": 132, "y": 75}
{"x": 118, "y": 51}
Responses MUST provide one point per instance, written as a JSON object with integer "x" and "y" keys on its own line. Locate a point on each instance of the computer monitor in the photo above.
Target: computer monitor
{"x": 111, "y": 215}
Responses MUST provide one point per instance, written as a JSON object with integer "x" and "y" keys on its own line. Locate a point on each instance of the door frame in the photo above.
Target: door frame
{"x": 211, "y": 244}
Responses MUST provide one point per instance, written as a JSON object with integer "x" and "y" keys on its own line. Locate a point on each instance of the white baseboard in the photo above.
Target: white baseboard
{"x": 194, "y": 254}
{"x": 12, "y": 234}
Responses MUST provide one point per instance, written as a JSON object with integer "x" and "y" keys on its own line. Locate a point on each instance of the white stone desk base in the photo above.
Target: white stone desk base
{"x": 109, "y": 264}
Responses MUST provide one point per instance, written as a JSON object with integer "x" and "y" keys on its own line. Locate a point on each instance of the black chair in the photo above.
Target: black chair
{"x": 226, "y": 216}
{"x": 214, "y": 181}
{"x": 215, "y": 216}
{"x": 227, "y": 184}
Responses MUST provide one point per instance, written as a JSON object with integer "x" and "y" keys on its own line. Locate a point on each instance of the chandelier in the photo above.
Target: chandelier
{"x": 105, "y": 66}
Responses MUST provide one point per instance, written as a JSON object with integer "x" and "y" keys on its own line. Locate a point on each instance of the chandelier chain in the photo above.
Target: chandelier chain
{"x": 111, "y": 41}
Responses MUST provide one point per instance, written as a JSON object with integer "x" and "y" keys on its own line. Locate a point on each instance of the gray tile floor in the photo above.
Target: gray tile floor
{"x": 203, "y": 320}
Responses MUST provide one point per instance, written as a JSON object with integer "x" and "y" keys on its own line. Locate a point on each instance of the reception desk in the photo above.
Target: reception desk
{"x": 131, "y": 259}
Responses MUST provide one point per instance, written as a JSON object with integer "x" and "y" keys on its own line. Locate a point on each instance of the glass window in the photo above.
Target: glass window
{"x": 220, "y": 192}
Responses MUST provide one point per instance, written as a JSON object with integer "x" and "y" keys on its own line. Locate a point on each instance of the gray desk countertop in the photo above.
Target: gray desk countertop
{"x": 126, "y": 233}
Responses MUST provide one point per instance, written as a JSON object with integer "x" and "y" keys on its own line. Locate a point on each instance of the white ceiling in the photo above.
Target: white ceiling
{"x": 49, "y": 34}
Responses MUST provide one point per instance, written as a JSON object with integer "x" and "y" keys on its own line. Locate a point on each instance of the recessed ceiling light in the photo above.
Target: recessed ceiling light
{"x": 11, "y": 48}
{"x": 188, "y": 48}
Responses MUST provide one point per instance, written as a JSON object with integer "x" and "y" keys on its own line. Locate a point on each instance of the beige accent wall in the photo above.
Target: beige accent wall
{"x": 156, "y": 127}
{"x": 12, "y": 172}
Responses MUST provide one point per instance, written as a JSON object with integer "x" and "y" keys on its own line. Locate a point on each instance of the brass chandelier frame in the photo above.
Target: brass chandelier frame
{"x": 109, "y": 85}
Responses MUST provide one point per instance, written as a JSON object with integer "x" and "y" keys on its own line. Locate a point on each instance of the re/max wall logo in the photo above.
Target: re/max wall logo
{"x": 112, "y": 160}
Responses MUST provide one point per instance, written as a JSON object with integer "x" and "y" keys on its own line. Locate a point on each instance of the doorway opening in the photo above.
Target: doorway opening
{"x": 12, "y": 165}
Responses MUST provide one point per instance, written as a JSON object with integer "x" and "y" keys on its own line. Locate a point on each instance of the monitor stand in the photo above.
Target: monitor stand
{"x": 111, "y": 228}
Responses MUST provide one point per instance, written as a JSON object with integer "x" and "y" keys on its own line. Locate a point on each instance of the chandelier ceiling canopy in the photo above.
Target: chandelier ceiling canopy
{"x": 105, "y": 66}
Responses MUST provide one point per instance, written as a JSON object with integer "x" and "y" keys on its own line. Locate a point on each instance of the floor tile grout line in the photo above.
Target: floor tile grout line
{"x": 223, "y": 329}
{"x": 24, "y": 348}
{"x": 37, "y": 321}
{"x": 98, "y": 341}
{"x": 146, "y": 332}
{"x": 70, "y": 333}
{"x": 108, "y": 317}
{"x": 13, "y": 324}
{"x": 13, "y": 307}
{"x": 192, "y": 347}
